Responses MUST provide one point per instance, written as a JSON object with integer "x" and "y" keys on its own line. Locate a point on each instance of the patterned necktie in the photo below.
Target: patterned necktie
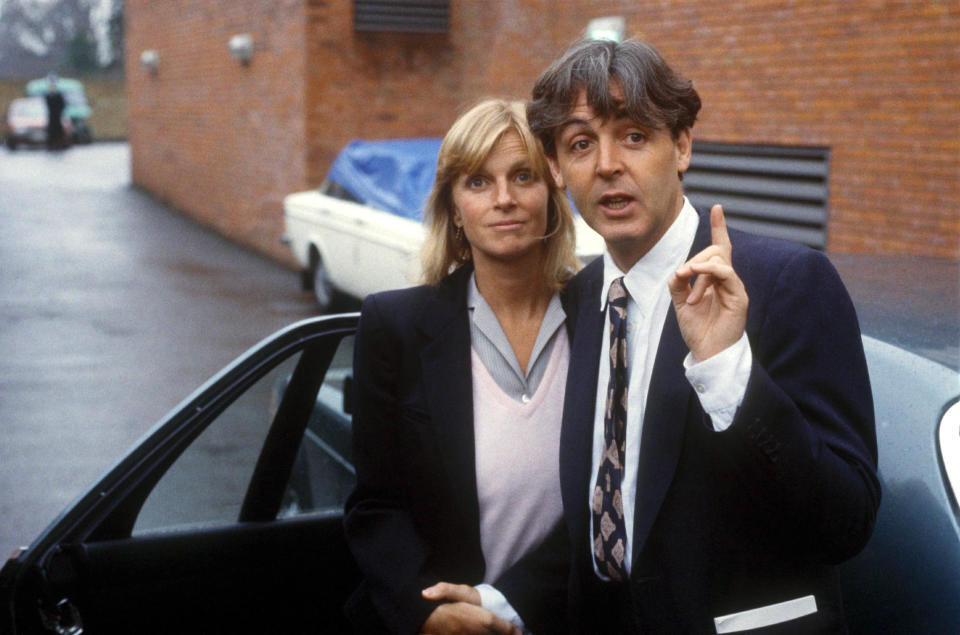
{"x": 609, "y": 529}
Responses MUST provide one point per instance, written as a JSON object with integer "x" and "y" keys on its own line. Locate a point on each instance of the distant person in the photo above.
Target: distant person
{"x": 55, "y": 107}
{"x": 718, "y": 455}
{"x": 460, "y": 387}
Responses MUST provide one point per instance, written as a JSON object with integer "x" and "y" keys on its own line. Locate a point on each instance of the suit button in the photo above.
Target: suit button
{"x": 701, "y": 388}
{"x": 525, "y": 398}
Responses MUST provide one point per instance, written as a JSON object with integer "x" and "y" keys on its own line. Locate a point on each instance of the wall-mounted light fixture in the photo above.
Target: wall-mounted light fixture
{"x": 241, "y": 47}
{"x": 612, "y": 27}
{"x": 150, "y": 60}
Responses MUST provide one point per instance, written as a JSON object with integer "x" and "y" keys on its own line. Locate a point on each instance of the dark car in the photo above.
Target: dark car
{"x": 25, "y": 123}
{"x": 907, "y": 579}
{"x": 227, "y": 516}
{"x": 205, "y": 525}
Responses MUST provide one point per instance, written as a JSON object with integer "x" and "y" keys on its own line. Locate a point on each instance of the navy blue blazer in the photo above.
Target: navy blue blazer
{"x": 413, "y": 519}
{"x": 752, "y": 516}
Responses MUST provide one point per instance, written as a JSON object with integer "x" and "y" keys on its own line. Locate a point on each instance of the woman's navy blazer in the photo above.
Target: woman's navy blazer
{"x": 413, "y": 519}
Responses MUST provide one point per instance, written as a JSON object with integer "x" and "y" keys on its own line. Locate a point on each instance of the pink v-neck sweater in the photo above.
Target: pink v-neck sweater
{"x": 517, "y": 458}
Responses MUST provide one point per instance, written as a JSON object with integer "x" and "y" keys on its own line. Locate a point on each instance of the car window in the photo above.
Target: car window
{"x": 323, "y": 476}
{"x": 29, "y": 108}
{"x": 206, "y": 485}
{"x": 209, "y": 483}
{"x": 75, "y": 98}
{"x": 336, "y": 190}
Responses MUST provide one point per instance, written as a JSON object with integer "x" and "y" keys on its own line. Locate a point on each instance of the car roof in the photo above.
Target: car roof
{"x": 64, "y": 84}
{"x": 393, "y": 175}
{"x": 909, "y": 301}
{"x": 28, "y": 103}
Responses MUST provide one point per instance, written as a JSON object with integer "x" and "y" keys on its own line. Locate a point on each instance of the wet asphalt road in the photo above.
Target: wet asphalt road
{"x": 113, "y": 308}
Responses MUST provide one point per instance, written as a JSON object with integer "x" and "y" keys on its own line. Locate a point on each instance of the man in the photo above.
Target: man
{"x": 55, "y": 107}
{"x": 727, "y": 459}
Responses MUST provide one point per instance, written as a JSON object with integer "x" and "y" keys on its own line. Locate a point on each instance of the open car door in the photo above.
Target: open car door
{"x": 225, "y": 518}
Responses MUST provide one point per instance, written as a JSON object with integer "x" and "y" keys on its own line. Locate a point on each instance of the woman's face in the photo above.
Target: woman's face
{"x": 502, "y": 207}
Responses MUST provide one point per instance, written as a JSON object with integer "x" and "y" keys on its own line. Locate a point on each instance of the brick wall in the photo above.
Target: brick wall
{"x": 382, "y": 85}
{"x": 873, "y": 81}
{"x": 221, "y": 141}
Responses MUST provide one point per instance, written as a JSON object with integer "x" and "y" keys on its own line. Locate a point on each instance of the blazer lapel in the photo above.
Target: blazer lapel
{"x": 665, "y": 417}
{"x": 576, "y": 434}
{"x": 448, "y": 387}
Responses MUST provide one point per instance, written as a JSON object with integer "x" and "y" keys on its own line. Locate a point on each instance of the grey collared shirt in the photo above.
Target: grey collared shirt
{"x": 493, "y": 348}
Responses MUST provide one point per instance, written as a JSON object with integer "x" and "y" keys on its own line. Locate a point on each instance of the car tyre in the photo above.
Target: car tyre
{"x": 322, "y": 286}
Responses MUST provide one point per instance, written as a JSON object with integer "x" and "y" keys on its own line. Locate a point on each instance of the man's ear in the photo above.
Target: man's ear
{"x": 555, "y": 171}
{"x": 684, "y": 143}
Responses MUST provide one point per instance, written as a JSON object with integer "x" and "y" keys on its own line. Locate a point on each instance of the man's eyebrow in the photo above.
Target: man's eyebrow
{"x": 618, "y": 114}
{"x": 572, "y": 121}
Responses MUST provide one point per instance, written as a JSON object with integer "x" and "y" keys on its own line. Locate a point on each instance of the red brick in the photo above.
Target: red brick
{"x": 872, "y": 80}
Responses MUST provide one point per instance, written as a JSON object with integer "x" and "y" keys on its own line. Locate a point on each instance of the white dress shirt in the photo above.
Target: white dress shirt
{"x": 720, "y": 382}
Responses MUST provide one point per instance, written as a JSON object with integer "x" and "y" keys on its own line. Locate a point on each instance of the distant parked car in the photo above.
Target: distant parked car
{"x": 26, "y": 123}
{"x": 78, "y": 108}
{"x": 361, "y": 231}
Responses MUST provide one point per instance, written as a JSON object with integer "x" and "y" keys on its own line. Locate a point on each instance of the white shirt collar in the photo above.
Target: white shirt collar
{"x": 657, "y": 265}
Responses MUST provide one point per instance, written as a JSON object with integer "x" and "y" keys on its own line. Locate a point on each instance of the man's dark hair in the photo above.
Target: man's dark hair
{"x": 654, "y": 95}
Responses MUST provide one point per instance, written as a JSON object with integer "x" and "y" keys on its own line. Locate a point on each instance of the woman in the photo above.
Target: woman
{"x": 460, "y": 388}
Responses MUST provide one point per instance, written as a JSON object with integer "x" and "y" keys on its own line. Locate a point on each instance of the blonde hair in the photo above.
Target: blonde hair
{"x": 465, "y": 147}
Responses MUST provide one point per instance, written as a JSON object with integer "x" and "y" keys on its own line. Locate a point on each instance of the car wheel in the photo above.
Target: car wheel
{"x": 322, "y": 287}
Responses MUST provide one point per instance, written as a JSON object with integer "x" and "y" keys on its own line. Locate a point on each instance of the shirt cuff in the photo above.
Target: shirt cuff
{"x": 721, "y": 381}
{"x": 495, "y": 602}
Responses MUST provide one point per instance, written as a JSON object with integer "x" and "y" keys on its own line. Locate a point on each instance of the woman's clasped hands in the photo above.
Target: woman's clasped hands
{"x": 460, "y": 612}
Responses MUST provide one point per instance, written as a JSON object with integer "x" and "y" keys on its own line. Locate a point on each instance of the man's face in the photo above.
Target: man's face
{"x": 622, "y": 176}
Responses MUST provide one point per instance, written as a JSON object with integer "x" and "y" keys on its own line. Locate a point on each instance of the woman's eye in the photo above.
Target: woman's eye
{"x": 475, "y": 182}
{"x": 524, "y": 177}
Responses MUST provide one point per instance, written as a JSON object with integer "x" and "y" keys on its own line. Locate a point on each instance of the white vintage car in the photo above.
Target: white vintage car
{"x": 361, "y": 231}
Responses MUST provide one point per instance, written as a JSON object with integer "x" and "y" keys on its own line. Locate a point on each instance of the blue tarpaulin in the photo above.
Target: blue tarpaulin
{"x": 391, "y": 175}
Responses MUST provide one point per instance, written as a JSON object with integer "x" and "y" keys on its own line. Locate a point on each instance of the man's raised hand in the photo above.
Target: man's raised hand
{"x": 712, "y": 312}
